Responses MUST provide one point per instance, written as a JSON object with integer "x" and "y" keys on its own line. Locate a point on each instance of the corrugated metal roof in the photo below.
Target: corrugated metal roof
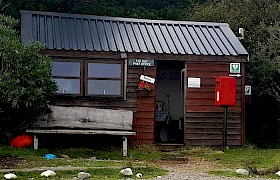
{"x": 98, "y": 33}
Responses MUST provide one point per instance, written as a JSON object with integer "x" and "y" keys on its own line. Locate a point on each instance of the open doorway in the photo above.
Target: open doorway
{"x": 169, "y": 116}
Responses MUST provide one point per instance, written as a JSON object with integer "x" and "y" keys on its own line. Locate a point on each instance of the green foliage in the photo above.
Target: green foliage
{"x": 265, "y": 70}
{"x": 154, "y": 9}
{"x": 25, "y": 83}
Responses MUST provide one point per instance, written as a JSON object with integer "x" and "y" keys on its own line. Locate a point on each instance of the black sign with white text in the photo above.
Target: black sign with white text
{"x": 141, "y": 62}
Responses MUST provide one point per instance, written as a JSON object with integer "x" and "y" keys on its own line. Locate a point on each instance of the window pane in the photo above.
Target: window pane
{"x": 69, "y": 69}
{"x": 104, "y": 87}
{"x": 100, "y": 70}
{"x": 68, "y": 86}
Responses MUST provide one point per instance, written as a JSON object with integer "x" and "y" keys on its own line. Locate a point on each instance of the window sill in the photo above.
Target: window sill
{"x": 79, "y": 97}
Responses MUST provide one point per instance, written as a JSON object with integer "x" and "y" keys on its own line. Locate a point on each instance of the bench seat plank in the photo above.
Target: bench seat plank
{"x": 76, "y": 131}
{"x": 72, "y": 131}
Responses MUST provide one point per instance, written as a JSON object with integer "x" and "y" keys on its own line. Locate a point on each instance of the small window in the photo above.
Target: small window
{"x": 104, "y": 79}
{"x": 67, "y": 75}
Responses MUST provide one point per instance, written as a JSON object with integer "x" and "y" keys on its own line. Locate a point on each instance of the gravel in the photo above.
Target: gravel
{"x": 193, "y": 171}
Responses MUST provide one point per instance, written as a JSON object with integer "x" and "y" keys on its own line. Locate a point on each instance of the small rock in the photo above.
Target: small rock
{"x": 83, "y": 175}
{"x": 139, "y": 175}
{"x": 278, "y": 173}
{"x": 126, "y": 172}
{"x": 48, "y": 173}
{"x": 93, "y": 158}
{"x": 242, "y": 172}
{"x": 158, "y": 177}
{"x": 65, "y": 156}
{"x": 10, "y": 176}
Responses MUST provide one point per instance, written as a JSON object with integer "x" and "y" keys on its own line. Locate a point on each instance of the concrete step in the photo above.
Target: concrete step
{"x": 169, "y": 147}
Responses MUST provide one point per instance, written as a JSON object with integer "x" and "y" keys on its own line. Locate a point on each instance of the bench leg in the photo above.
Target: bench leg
{"x": 36, "y": 141}
{"x": 124, "y": 146}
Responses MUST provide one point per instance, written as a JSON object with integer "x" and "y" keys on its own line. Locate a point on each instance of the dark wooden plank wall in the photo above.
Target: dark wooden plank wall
{"x": 204, "y": 121}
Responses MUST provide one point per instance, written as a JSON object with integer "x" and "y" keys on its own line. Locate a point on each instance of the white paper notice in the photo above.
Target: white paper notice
{"x": 193, "y": 82}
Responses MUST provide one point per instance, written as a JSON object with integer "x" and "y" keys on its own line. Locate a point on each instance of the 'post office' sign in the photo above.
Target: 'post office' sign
{"x": 141, "y": 62}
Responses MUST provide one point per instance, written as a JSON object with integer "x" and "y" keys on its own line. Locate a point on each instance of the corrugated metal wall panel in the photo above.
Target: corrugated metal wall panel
{"x": 95, "y": 33}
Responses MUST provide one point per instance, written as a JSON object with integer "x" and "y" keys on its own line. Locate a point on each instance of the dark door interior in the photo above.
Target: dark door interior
{"x": 169, "y": 116}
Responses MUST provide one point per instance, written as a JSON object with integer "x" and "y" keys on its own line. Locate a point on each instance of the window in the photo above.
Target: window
{"x": 89, "y": 78}
{"x": 67, "y": 76}
{"x": 104, "y": 79}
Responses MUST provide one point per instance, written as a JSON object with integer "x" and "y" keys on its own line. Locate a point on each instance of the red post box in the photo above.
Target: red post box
{"x": 225, "y": 91}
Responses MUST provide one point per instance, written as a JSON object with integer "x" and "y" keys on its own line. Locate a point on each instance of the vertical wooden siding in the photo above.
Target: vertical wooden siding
{"x": 143, "y": 122}
{"x": 204, "y": 121}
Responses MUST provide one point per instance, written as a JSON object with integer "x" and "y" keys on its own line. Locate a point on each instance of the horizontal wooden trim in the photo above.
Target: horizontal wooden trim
{"x": 202, "y": 142}
{"x": 213, "y": 120}
{"x": 145, "y": 114}
{"x": 140, "y": 142}
{"x": 206, "y": 101}
{"x": 213, "y": 130}
{"x": 211, "y": 114}
{"x": 210, "y": 125}
{"x": 188, "y": 58}
{"x": 204, "y": 74}
{"x": 68, "y": 131}
{"x": 204, "y": 95}
{"x": 144, "y": 122}
{"x": 145, "y": 135}
{"x": 179, "y": 57}
{"x": 203, "y": 108}
{"x": 208, "y": 136}
{"x": 143, "y": 128}
{"x": 211, "y": 88}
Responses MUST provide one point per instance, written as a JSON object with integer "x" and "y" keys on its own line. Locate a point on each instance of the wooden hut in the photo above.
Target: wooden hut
{"x": 106, "y": 67}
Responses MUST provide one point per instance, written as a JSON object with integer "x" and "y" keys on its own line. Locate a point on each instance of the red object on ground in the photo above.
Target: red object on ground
{"x": 22, "y": 141}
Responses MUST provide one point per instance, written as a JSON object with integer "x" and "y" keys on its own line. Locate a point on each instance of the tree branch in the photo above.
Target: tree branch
{"x": 2, "y": 9}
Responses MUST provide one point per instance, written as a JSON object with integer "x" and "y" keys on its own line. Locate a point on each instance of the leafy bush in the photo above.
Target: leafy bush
{"x": 26, "y": 87}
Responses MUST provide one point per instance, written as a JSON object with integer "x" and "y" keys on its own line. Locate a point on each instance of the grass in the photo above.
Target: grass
{"x": 102, "y": 164}
{"x": 260, "y": 162}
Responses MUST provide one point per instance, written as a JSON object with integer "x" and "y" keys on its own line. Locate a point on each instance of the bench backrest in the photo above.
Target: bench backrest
{"x": 87, "y": 117}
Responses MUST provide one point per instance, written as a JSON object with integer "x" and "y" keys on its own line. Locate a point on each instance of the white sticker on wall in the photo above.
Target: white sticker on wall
{"x": 248, "y": 90}
{"x": 194, "y": 82}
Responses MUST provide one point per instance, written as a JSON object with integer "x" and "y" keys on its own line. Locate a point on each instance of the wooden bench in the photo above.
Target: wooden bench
{"x": 84, "y": 120}
{"x": 124, "y": 134}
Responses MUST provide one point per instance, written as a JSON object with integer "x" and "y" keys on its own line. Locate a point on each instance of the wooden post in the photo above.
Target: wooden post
{"x": 124, "y": 146}
{"x": 36, "y": 141}
{"x": 225, "y": 129}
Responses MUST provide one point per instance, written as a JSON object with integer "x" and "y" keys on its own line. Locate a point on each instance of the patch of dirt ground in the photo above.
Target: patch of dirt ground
{"x": 192, "y": 164}
{"x": 7, "y": 162}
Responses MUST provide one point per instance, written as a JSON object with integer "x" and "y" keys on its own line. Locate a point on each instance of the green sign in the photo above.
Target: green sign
{"x": 234, "y": 68}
